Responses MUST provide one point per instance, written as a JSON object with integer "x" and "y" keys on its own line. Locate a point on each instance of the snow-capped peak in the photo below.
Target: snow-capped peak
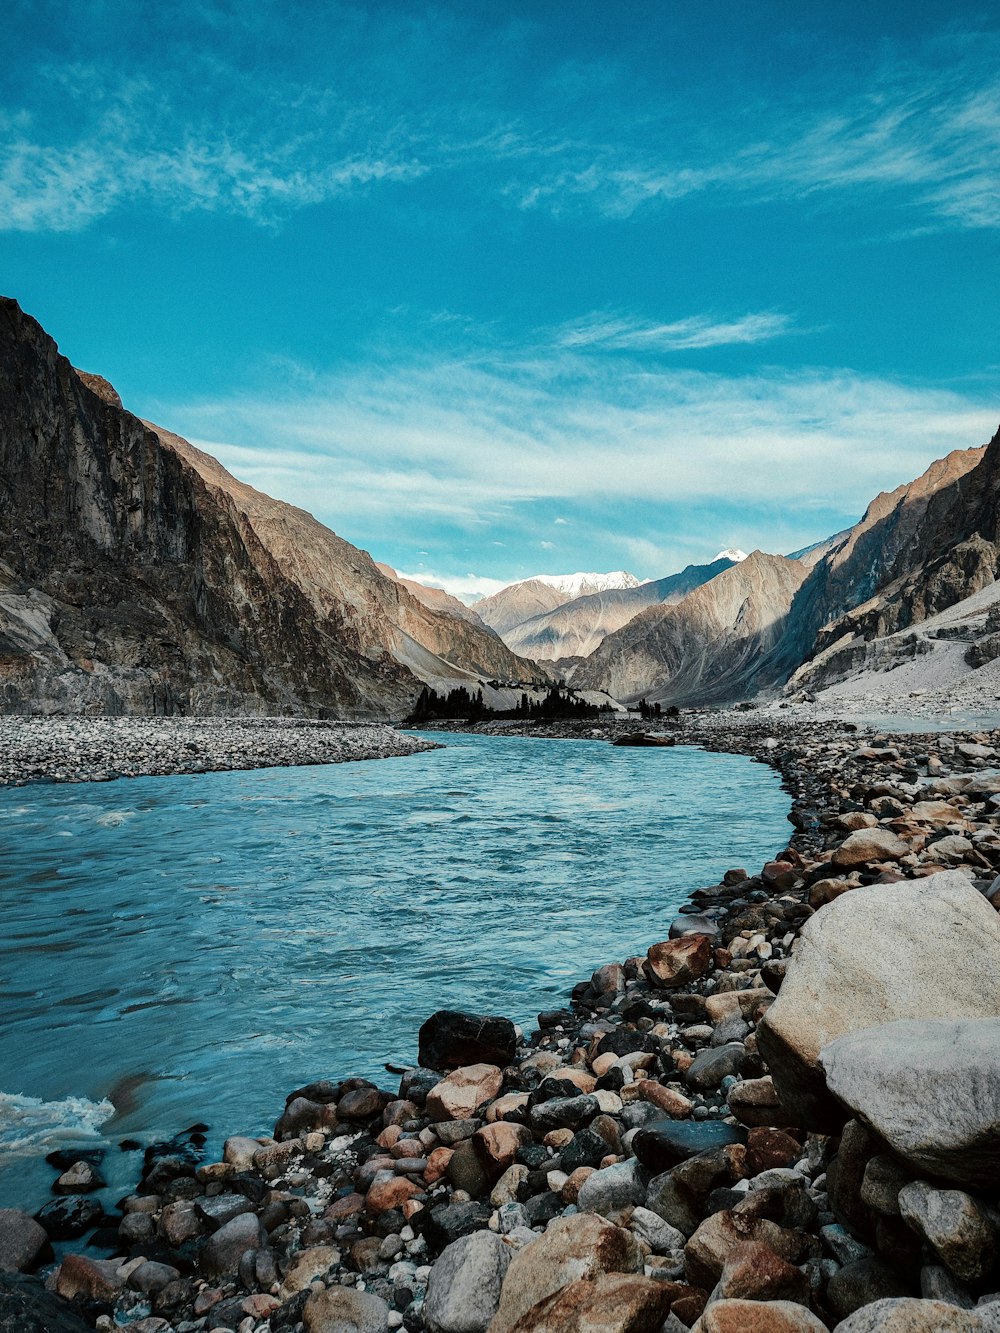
{"x": 731, "y": 553}
{"x": 580, "y": 585}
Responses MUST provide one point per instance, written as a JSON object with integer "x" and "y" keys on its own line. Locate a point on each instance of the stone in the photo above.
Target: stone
{"x": 26, "y": 1307}
{"x": 463, "y": 1289}
{"x": 462, "y": 1092}
{"x": 151, "y": 1277}
{"x": 881, "y": 1183}
{"x": 954, "y": 1225}
{"x": 768, "y": 1148}
{"x": 223, "y": 1250}
{"x": 721, "y": 1234}
{"x": 609, "y": 1303}
{"x": 23, "y": 1241}
{"x": 496, "y": 1146}
{"x": 678, "y": 962}
{"x": 238, "y": 1151}
{"x": 910, "y": 1315}
{"x": 862, "y": 1282}
{"x": 450, "y": 1039}
{"x": 612, "y": 1189}
{"x": 80, "y": 1178}
{"x": 924, "y": 949}
{"x": 712, "y": 1065}
{"x": 344, "y": 1310}
{"x": 217, "y": 1210}
{"x": 867, "y": 846}
{"x": 668, "y": 1100}
{"x": 447, "y": 1222}
{"x": 466, "y": 1171}
{"x": 755, "y": 1101}
{"x": 754, "y": 1272}
{"x": 929, "y": 1088}
{"x": 664, "y": 1144}
{"x": 565, "y": 1112}
{"x": 735, "y": 1316}
{"x": 580, "y": 1246}
{"x": 659, "y": 1235}
{"x": 93, "y": 1279}
{"x": 308, "y": 1265}
{"x": 357, "y": 1104}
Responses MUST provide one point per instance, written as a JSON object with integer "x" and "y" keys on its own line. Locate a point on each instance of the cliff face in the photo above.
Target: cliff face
{"x": 720, "y": 643}
{"x": 138, "y": 576}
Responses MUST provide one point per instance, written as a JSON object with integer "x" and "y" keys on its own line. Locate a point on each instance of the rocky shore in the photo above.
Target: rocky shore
{"x": 98, "y": 749}
{"x": 783, "y": 1118}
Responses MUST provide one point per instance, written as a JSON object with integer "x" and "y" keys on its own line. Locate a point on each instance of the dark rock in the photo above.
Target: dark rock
{"x": 223, "y": 1250}
{"x": 542, "y": 1208}
{"x": 68, "y": 1218}
{"x": 26, "y": 1307}
{"x": 564, "y": 1113}
{"x": 626, "y": 1041}
{"x": 221, "y": 1208}
{"x": 24, "y": 1242}
{"x": 862, "y": 1282}
{"x": 715, "y": 1063}
{"x": 440, "y": 1226}
{"x": 586, "y": 1149}
{"x": 666, "y": 1143}
{"x": 450, "y": 1039}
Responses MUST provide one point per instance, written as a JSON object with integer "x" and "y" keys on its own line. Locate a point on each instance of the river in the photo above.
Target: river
{"x": 192, "y": 948}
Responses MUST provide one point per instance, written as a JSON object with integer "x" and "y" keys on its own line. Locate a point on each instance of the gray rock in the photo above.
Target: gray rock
{"x": 669, "y": 1199}
{"x": 215, "y": 1212}
{"x": 463, "y": 1290}
{"x": 659, "y": 1235}
{"x": 954, "y": 1225}
{"x": 928, "y": 949}
{"x": 712, "y": 1065}
{"x": 910, "y": 1315}
{"x": 842, "y": 1245}
{"x": 343, "y": 1310}
{"x": 937, "y": 1284}
{"x": 612, "y": 1189}
{"x": 862, "y": 1282}
{"x": 223, "y": 1250}
{"x": 930, "y": 1088}
{"x": 881, "y": 1183}
{"x": 23, "y": 1241}
{"x": 564, "y": 1113}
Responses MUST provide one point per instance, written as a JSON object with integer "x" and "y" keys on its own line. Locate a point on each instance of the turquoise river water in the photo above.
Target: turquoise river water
{"x": 192, "y": 948}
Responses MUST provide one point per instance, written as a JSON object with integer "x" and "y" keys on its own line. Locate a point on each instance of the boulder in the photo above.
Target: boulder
{"x": 344, "y": 1310}
{"x": 223, "y": 1250}
{"x": 929, "y": 1088}
{"x": 907, "y": 1314}
{"x": 93, "y": 1279}
{"x": 23, "y": 1241}
{"x": 734, "y": 1316}
{"x": 609, "y": 1303}
{"x": 463, "y": 1290}
{"x": 580, "y": 1246}
{"x": 868, "y": 846}
{"x": 954, "y": 1225}
{"x": 612, "y": 1189}
{"x": 461, "y": 1094}
{"x": 862, "y": 1282}
{"x": 914, "y": 950}
{"x": 678, "y": 962}
{"x": 666, "y": 1143}
{"x": 449, "y": 1039}
{"x": 754, "y": 1272}
{"x": 26, "y": 1307}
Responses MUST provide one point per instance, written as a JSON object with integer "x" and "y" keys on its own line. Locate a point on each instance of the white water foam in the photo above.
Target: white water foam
{"x": 30, "y": 1127}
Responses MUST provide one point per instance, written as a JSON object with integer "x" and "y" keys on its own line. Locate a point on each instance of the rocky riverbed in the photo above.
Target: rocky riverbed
{"x": 783, "y": 1118}
{"x": 98, "y": 749}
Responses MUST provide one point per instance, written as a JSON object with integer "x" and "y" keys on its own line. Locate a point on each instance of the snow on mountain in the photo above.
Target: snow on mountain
{"x": 581, "y": 585}
{"x": 732, "y": 553}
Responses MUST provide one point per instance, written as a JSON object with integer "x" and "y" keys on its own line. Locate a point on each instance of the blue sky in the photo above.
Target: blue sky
{"x": 502, "y": 288}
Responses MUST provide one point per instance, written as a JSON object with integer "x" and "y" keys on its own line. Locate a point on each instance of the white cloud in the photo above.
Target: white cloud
{"x": 547, "y": 546}
{"x": 469, "y": 587}
{"x": 624, "y": 333}
{"x": 469, "y": 444}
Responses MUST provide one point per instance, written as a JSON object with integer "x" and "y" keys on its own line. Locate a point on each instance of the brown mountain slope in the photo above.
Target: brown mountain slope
{"x": 716, "y": 645}
{"x": 138, "y": 576}
{"x": 513, "y": 605}
{"x": 576, "y": 628}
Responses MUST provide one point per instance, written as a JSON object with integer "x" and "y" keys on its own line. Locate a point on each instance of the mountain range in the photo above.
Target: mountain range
{"x": 137, "y": 575}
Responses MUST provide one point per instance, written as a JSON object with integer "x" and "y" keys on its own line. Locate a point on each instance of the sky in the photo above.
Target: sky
{"x": 497, "y": 289}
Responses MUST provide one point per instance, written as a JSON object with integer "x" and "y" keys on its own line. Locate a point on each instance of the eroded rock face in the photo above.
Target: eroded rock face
{"x": 141, "y": 577}
{"x": 930, "y": 1088}
{"x": 920, "y": 950}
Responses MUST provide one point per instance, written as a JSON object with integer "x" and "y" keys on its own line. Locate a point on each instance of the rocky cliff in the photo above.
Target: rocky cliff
{"x": 720, "y": 643}
{"x": 138, "y": 576}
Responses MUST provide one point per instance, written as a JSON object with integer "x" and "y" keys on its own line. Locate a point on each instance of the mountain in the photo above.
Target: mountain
{"x": 436, "y": 599}
{"x": 578, "y": 627}
{"x": 718, "y": 644}
{"x": 138, "y": 576}
{"x": 518, "y": 602}
{"x": 928, "y": 547}
{"x": 733, "y": 554}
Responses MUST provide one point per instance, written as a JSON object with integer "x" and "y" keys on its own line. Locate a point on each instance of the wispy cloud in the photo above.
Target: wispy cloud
{"x": 923, "y": 134}
{"x": 698, "y": 331}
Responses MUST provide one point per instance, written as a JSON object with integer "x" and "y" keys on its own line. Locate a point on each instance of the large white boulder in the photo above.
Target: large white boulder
{"x": 929, "y": 948}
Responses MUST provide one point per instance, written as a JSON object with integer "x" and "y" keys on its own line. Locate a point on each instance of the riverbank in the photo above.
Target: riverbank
{"x": 99, "y": 749}
{"x": 668, "y": 1141}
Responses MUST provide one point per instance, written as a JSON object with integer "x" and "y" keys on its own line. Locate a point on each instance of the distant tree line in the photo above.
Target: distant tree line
{"x": 462, "y": 704}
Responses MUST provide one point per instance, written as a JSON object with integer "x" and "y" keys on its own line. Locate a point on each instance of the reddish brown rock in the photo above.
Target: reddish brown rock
{"x": 679, "y": 962}
{"x": 753, "y": 1272}
{"x": 674, "y": 1103}
{"x": 768, "y": 1148}
{"x": 758, "y": 1317}
{"x": 362, "y": 1104}
{"x": 95, "y": 1279}
{"x": 386, "y": 1194}
{"x": 496, "y": 1145}
{"x": 609, "y": 1303}
{"x": 461, "y": 1094}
